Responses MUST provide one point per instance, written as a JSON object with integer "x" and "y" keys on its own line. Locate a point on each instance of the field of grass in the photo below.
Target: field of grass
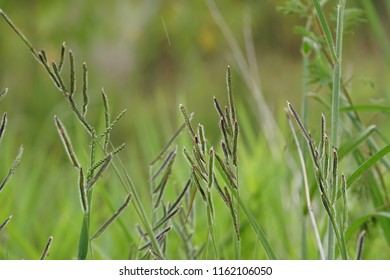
{"x": 174, "y": 139}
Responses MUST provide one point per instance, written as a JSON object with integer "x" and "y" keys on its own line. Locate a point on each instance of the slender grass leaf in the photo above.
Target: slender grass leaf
{"x": 103, "y": 228}
{"x": 351, "y": 144}
{"x": 367, "y": 164}
{"x": 5, "y": 223}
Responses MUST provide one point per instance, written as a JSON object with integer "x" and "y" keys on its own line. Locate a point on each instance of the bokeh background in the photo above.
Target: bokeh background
{"x": 150, "y": 56}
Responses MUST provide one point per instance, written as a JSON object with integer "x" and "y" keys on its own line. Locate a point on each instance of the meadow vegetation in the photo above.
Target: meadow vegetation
{"x": 163, "y": 151}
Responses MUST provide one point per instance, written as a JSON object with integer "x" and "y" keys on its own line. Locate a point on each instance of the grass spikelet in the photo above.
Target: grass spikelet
{"x": 62, "y": 58}
{"x": 187, "y": 120}
{"x": 58, "y": 77}
{"x": 225, "y": 136}
{"x": 85, "y": 90}
{"x": 100, "y": 171}
{"x": 345, "y": 202}
{"x": 202, "y": 139}
{"x": 66, "y": 142}
{"x": 72, "y": 73}
{"x": 226, "y": 172}
{"x": 211, "y": 168}
{"x": 299, "y": 123}
{"x": 235, "y": 142}
{"x": 107, "y": 120}
{"x": 4, "y": 224}
{"x": 198, "y": 186}
{"x": 45, "y": 253}
{"x": 112, "y": 218}
{"x": 3, "y": 125}
{"x": 14, "y": 166}
{"x": 230, "y": 95}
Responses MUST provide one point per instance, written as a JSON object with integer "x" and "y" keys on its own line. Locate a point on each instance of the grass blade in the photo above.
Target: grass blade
{"x": 4, "y": 224}
{"x": 355, "y": 141}
{"x": 367, "y": 164}
{"x": 112, "y": 218}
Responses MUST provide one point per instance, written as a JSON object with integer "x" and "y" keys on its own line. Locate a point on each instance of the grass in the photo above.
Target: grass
{"x": 221, "y": 191}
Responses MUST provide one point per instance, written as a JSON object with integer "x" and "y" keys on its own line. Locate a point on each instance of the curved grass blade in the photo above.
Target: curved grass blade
{"x": 4, "y": 224}
{"x": 367, "y": 164}
{"x": 355, "y": 141}
{"x": 112, "y": 218}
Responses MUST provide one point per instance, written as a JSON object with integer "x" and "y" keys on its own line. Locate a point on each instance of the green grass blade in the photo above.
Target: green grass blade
{"x": 325, "y": 29}
{"x": 355, "y": 141}
{"x": 4, "y": 224}
{"x": 84, "y": 239}
{"x": 367, "y": 164}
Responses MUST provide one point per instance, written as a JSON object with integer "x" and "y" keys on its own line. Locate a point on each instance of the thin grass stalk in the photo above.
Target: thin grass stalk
{"x": 307, "y": 190}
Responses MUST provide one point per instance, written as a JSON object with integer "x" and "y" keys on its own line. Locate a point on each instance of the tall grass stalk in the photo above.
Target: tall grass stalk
{"x": 307, "y": 190}
{"x": 335, "y": 50}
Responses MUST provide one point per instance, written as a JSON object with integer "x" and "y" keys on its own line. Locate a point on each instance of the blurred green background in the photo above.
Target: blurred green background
{"x": 150, "y": 56}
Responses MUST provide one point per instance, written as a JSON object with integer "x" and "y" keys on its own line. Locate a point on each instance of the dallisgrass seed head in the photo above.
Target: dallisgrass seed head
{"x": 62, "y": 58}
{"x": 85, "y": 90}
{"x": 103, "y": 166}
{"x": 3, "y": 125}
{"x": 187, "y": 120}
{"x": 66, "y": 142}
{"x": 72, "y": 73}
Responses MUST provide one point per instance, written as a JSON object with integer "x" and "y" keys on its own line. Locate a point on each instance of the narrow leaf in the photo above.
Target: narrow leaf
{"x": 112, "y": 218}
